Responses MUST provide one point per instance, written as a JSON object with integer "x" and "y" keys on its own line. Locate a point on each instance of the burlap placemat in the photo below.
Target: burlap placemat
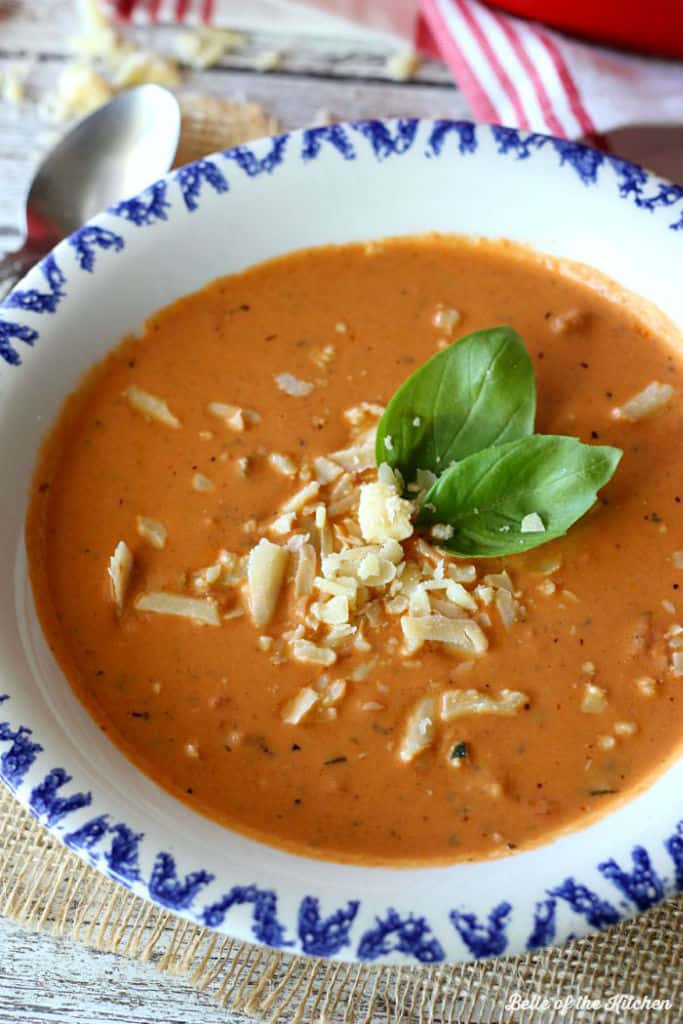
{"x": 211, "y": 123}
{"x": 45, "y": 886}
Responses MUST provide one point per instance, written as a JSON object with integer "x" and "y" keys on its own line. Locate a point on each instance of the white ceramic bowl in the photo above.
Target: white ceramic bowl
{"x": 331, "y": 184}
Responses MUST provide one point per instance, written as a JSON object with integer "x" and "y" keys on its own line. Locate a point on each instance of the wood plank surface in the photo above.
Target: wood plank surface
{"x": 46, "y": 981}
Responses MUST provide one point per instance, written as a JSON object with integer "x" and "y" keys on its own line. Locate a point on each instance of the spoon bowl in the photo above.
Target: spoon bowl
{"x": 114, "y": 152}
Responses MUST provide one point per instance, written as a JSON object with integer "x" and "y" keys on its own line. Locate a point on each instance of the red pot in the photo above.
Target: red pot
{"x": 654, "y": 26}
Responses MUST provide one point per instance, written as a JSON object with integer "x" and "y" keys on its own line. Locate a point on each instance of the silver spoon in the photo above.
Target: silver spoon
{"x": 115, "y": 152}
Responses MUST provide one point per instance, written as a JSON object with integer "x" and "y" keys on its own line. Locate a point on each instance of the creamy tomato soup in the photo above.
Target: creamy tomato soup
{"x": 205, "y": 580}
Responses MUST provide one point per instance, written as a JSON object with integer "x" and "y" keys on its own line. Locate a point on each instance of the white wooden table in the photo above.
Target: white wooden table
{"x": 43, "y": 981}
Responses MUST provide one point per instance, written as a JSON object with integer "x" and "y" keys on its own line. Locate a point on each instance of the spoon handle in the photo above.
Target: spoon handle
{"x": 13, "y": 266}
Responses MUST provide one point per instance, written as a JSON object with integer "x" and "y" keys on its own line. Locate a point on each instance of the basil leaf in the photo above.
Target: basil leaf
{"x": 485, "y": 497}
{"x": 478, "y": 392}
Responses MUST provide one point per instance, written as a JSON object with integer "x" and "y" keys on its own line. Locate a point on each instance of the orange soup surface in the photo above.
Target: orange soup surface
{"x": 291, "y": 721}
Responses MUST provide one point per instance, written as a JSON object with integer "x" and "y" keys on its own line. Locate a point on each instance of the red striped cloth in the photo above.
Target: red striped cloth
{"x": 191, "y": 12}
{"x": 511, "y": 71}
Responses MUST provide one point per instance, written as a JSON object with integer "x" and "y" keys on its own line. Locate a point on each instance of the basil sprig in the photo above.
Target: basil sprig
{"x": 475, "y": 433}
{"x": 476, "y": 393}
